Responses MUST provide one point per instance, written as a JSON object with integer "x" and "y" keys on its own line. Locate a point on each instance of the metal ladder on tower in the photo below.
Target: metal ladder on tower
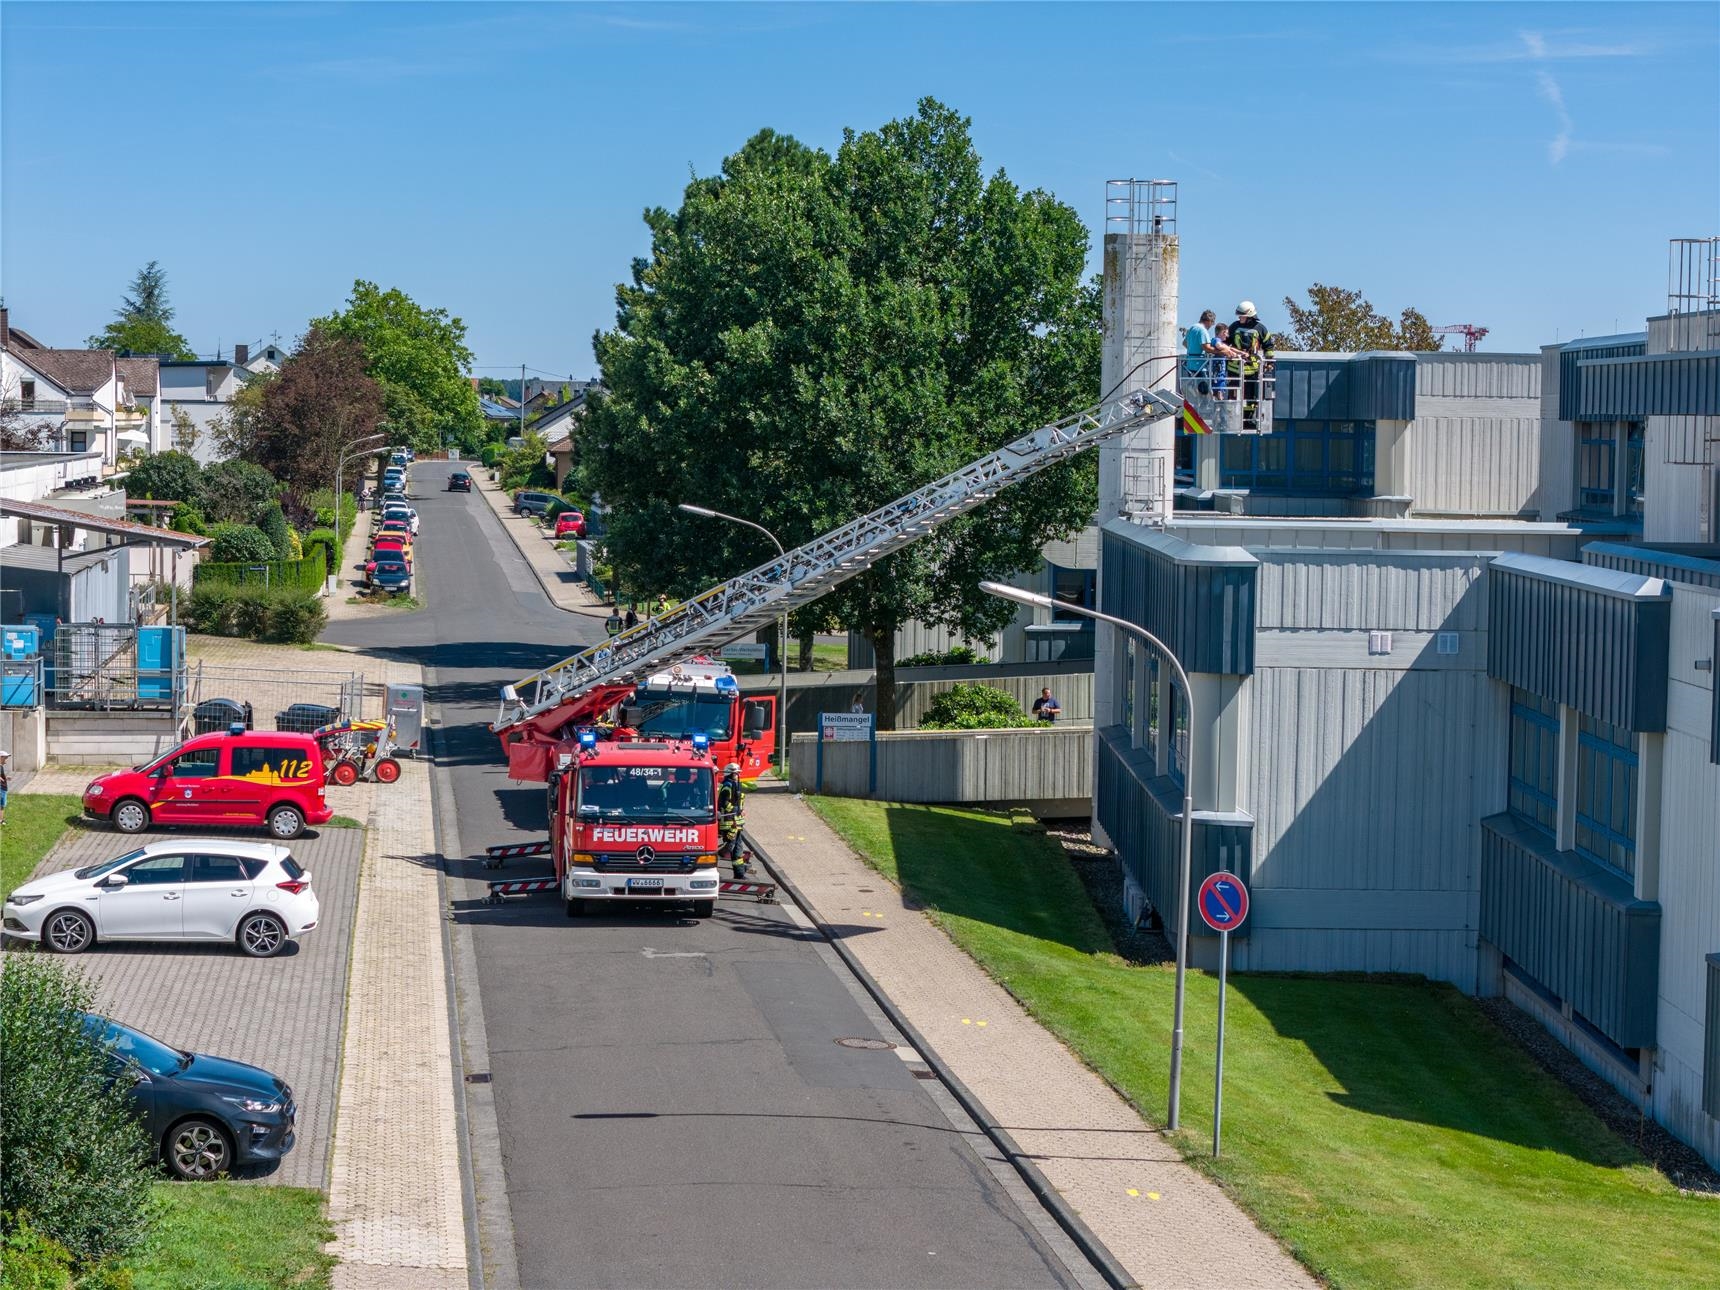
{"x": 756, "y": 598}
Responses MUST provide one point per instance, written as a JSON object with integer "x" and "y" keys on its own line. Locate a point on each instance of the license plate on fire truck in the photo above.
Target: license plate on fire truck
{"x": 644, "y": 884}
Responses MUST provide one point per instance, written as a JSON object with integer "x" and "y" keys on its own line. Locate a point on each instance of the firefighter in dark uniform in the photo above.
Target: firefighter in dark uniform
{"x": 730, "y": 819}
{"x": 1250, "y": 336}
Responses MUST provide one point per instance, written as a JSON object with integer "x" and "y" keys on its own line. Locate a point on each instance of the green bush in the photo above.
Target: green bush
{"x": 188, "y": 519}
{"x": 32, "y": 1261}
{"x": 235, "y": 492}
{"x": 78, "y": 1166}
{"x": 240, "y": 544}
{"x": 166, "y": 477}
{"x": 209, "y": 608}
{"x": 273, "y": 522}
{"x": 489, "y": 454}
{"x": 295, "y": 617}
{"x": 956, "y": 656}
{"x": 974, "y": 707}
{"x": 284, "y": 613}
{"x": 325, "y": 541}
{"x": 307, "y": 573}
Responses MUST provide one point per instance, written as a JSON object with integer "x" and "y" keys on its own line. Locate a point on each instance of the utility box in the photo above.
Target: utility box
{"x": 406, "y": 706}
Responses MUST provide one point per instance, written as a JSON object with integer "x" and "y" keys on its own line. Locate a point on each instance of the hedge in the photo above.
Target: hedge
{"x": 307, "y": 574}
{"x": 285, "y": 614}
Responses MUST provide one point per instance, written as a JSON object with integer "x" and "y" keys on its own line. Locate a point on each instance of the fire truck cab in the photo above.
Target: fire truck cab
{"x": 636, "y": 820}
{"x": 702, "y": 698}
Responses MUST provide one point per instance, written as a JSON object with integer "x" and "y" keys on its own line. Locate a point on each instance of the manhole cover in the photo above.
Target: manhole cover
{"x": 866, "y": 1043}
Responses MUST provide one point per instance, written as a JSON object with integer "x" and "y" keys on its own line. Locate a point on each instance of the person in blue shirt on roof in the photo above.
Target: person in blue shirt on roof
{"x": 1197, "y": 344}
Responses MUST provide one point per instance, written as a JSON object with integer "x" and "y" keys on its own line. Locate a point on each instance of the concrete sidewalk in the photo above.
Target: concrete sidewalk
{"x": 395, "y": 1177}
{"x": 1159, "y": 1217}
{"x": 550, "y": 567}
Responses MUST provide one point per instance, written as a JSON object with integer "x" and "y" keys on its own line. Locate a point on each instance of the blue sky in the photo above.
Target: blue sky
{"x": 1517, "y": 166}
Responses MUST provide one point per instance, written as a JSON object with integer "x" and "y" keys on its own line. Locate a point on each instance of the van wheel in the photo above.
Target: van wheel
{"x": 387, "y": 770}
{"x": 704, "y": 908}
{"x": 286, "y": 822}
{"x": 130, "y": 816}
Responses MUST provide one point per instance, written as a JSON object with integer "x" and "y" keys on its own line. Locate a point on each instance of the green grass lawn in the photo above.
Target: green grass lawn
{"x": 825, "y": 658}
{"x": 34, "y": 822}
{"x": 1384, "y": 1130}
{"x": 235, "y": 1236}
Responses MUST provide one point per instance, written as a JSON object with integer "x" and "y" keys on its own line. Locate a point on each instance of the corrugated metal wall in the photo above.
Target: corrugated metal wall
{"x": 1599, "y": 652}
{"x": 1368, "y": 387}
{"x": 1575, "y": 928}
{"x": 1143, "y": 818}
{"x": 1371, "y": 591}
{"x": 1203, "y": 611}
{"x": 1578, "y": 352}
{"x": 1711, "y": 1053}
{"x": 1481, "y": 465}
{"x": 1476, "y": 376}
{"x": 1071, "y": 683}
{"x": 1557, "y": 542}
{"x": 1632, "y": 388}
{"x": 1651, "y": 562}
{"x": 997, "y": 767}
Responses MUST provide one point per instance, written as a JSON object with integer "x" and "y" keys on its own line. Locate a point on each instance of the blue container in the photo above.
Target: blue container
{"x": 18, "y": 644}
{"x": 159, "y": 652}
{"x": 20, "y": 641}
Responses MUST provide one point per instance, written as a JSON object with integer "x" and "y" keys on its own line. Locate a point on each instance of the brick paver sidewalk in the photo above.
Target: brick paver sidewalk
{"x": 548, "y": 565}
{"x": 395, "y": 1182}
{"x": 1158, "y": 1216}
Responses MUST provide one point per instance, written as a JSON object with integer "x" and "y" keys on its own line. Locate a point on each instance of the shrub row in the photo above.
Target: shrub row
{"x": 975, "y": 707}
{"x": 307, "y": 574}
{"x": 283, "y": 613}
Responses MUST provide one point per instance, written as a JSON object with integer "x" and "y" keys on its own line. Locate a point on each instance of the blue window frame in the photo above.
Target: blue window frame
{"x": 1633, "y": 481}
{"x": 1303, "y": 458}
{"x": 1534, "y": 775}
{"x": 1606, "y": 795}
{"x": 1597, "y": 463}
{"x": 1177, "y": 710}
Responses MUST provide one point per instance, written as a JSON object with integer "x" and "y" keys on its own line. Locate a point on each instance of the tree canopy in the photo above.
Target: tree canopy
{"x": 142, "y": 324}
{"x": 1340, "y": 321}
{"x": 813, "y": 336}
{"x": 320, "y": 401}
{"x": 171, "y": 476}
{"x": 419, "y": 358}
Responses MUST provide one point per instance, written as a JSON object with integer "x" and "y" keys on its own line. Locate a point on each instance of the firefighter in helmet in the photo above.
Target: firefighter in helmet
{"x": 730, "y": 820}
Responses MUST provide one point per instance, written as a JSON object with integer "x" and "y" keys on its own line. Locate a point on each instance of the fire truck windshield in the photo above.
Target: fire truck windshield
{"x": 646, "y": 793}
{"x": 662, "y": 714}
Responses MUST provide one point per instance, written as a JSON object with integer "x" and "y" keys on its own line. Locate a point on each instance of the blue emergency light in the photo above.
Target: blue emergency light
{"x": 726, "y": 683}
{"x": 701, "y": 743}
{"x": 588, "y": 739}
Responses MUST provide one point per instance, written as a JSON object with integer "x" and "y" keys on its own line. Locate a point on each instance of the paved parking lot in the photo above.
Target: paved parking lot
{"x": 284, "y": 1013}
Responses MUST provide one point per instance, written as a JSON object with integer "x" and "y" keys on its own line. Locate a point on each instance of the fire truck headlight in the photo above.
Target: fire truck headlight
{"x": 707, "y": 860}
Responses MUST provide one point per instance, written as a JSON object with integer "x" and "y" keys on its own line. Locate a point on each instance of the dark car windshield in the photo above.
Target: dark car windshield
{"x": 133, "y": 1045}
{"x": 646, "y": 792}
{"x": 665, "y": 715}
{"x": 107, "y": 866}
{"x": 391, "y": 566}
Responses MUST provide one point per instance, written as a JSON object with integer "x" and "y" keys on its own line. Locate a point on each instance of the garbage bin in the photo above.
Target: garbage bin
{"x": 406, "y": 706}
{"x": 214, "y": 716}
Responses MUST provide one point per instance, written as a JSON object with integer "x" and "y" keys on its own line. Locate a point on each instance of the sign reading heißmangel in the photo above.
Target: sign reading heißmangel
{"x": 640, "y": 833}
{"x": 744, "y": 650}
{"x": 845, "y": 727}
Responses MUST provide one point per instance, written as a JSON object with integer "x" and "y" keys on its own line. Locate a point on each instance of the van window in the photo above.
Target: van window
{"x": 271, "y": 761}
{"x": 200, "y": 763}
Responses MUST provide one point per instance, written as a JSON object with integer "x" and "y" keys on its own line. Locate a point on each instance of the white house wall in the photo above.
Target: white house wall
{"x": 1689, "y": 873}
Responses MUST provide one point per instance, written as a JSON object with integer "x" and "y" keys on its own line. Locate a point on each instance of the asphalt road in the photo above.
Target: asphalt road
{"x": 674, "y": 1110}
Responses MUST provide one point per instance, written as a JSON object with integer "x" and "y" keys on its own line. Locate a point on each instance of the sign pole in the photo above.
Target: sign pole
{"x": 1218, "y": 1078}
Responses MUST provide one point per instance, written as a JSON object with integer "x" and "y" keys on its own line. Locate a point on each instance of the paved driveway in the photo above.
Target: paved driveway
{"x": 283, "y": 1013}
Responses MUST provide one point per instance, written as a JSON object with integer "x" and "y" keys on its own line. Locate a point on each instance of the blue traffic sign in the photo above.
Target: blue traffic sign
{"x": 1223, "y": 902}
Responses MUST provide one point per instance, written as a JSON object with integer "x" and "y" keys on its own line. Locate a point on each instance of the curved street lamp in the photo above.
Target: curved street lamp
{"x": 1183, "y": 869}
{"x": 357, "y": 448}
{"x": 782, "y": 630}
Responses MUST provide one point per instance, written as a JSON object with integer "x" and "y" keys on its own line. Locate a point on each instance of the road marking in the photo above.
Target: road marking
{"x": 650, "y": 953}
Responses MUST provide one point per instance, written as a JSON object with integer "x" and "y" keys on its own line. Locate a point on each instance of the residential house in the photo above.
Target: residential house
{"x": 557, "y": 426}
{"x": 87, "y": 399}
{"x": 202, "y": 388}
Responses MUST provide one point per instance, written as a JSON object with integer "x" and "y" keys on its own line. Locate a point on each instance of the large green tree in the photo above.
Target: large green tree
{"x": 813, "y": 336}
{"x": 419, "y": 358}
{"x": 142, "y": 325}
{"x": 1340, "y": 321}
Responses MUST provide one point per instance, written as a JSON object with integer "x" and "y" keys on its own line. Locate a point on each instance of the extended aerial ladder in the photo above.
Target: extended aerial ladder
{"x": 538, "y": 710}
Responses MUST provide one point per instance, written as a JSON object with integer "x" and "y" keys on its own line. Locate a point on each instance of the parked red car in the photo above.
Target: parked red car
{"x": 251, "y": 779}
{"x": 570, "y": 524}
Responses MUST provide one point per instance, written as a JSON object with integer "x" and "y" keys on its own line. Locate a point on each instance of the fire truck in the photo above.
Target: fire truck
{"x": 636, "y": 820}
{"x": 698, "y": 697}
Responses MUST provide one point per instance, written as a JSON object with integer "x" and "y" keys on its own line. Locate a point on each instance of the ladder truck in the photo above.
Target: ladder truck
{"x": 543, "y": 717}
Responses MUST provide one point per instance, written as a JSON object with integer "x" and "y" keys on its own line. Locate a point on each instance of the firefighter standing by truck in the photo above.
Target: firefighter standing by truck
{"x": 730, "y": 819}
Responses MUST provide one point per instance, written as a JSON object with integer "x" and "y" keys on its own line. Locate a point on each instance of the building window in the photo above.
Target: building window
{"x": 1176, "y": 708}
{"x": 1606, "y": 795}
{"x": 1633, "y": 468}
{"x": 1534, "y": 796}
{"x": 1302, "y": 458}
{"x": 1154, "y": 675}
{"x": 211, "y": 384}
{"x": 80, "y": 441}
{"x": 1127, "y": 667}
{"x": 1072, "y": 587}
{"x": 1596, "y": 464}
{"x": 26, "y": 394}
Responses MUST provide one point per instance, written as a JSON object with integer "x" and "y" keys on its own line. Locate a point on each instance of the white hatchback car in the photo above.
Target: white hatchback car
{"x": 192, "y": 889}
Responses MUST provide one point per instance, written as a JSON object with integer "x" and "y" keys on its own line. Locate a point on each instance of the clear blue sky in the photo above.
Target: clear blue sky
{"x": 1518, "y": 166}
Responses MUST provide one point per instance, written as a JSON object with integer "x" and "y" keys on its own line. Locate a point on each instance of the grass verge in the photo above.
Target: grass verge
{"x": 34, "y": 822}
{"x": 388, "y": 602}
{"x": 343, "y": 822}
{"x": 1384, "y": 1130}
{"x": 235, "y": 1236}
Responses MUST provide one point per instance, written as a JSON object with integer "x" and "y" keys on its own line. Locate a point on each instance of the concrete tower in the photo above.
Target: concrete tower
{"x": 1136, "y": 471}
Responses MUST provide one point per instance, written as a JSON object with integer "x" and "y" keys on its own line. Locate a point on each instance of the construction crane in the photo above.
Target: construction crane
{"x": 537, "y": 710}
{"x": 1471, "y": 333}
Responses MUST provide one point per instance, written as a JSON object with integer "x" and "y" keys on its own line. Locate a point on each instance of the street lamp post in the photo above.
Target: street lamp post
{"x": 1186, "y": 864}
{"x": 782, "y": 632}
{"x": 349, "y": 451}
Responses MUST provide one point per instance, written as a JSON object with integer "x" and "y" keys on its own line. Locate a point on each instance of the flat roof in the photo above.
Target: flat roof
{"x": 99, "y": 524}
{"x": 24, "y": 555}
{"x": 20, "y": 460}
